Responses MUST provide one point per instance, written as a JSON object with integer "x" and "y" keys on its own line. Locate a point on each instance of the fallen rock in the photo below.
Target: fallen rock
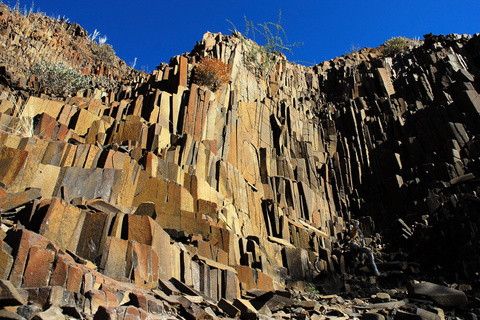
{"x": 373, "y": 316}
{"x": 10, "y": 296}
{"x": 272, "y": 300}
{"x": 53, "y": 313}
{"x": 443, "y": 296}
{"x": 228, "y": 308}
{"x": 8, "y": 315}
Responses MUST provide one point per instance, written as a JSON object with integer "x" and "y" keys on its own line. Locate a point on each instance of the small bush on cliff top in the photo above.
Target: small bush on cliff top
{"x": 104, "y": 52}
{"x": 212, "y": 73}
{"x": 395, "y": 45}
{"x": 59, "y": 79}
{"x": 264, "y": 58}
{"x": 101, "y": 49}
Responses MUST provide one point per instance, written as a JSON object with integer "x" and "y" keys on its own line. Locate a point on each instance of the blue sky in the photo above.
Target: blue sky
{"x": 155, "y": 31}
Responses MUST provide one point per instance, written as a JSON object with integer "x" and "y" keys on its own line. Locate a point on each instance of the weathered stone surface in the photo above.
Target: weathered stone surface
{"x": 193, "y": 310}
{"x": 39, "y": 267}
{"x": 114, "y": 258}
{"x": 228, "y": 308}
{"x": 52, "y": 313}
{"x": 8, "y": 315}
{"x": 273, "y": 301}
{"x": 146, "y": 209}
{"x": 6, "y": 260}
{"x": 63, "y": 224}
{"x": 247, "y": 310}
{"x": 17, "y": 199}
{"x": 10, "y": 296}
{"x": 441, "y": 295}
{"x": 21, "y": 240}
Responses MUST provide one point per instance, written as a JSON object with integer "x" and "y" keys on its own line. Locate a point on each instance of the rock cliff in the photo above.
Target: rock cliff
{"x": 159, "y": 195}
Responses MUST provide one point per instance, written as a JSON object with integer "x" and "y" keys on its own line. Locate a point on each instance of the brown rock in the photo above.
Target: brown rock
{"x": 146, "y": 209}
{"x": 88, "y": 282}
{"x": 9, "y": 315}
{"x": 139, "y": 228}
{"x": 114, "y": 258}
{"x": 21, "y": 240}
{"x": 97, "y": 299}
{"x": 60, "y": 273}
{"x": 61, "y": 297}
{"x": 193, "y": 310}
{"x": 145, "y": 264}
{"x": 386, "y": 305}
{"x": 228, "y": 308}
{"x": 10, "y": 296}
{"x": 53, "y": 313}
{"x": 168, "y": 287}
{"x": 296, "y": 259}
{"x": 17, "y": 199}
{"x": 94, "y": 232}
{"x": 155, "y": 306}
{"x": 75, "y": 277}
{"x": 247, "y": 310}
{"x": 39, "y": 267}
{"x": 102, "y": 206}
{"x": 273, "y": 301}
{"x": 63, "y": 224}
{"x": 6, "y": 260}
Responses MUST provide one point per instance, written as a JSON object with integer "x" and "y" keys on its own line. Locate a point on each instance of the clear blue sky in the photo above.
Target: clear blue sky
{"x": 155, "y": 31}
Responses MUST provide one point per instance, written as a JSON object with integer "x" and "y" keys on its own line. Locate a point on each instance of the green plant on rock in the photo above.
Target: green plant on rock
{"x": 57, "y": 78}
{"x": 212, "y": 73}
{"x": 312, "y": 289}
{"x": 262, "y": 58}
{"x": 395, "y": 45}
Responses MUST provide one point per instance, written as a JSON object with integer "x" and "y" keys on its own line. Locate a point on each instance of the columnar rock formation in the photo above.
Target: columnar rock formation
{"x": 252, "y": 186}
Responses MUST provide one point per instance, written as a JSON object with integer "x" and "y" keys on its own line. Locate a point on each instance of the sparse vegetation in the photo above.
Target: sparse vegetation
{"x": 24, "y": 124}
{"x": 104, "y": 83}
{"x": 57, "y": 78}
{"x": 212, "y": 73}
{"x": 25, "y": 11}
{"x": 101, "y": 49}
{"x": 354, "y": 48}
{"x": 312, "y": 290}
{"x": 395, "y": 45}
{"x": 133, "y": 63}
{"x": 264, "y": 58}
{"x": 104, "y": 52}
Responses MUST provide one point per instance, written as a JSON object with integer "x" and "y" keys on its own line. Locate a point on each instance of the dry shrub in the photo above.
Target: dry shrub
{"x": 212, "y": 73}
{"x": 57, "y": 78}
{"x": 104, "y": 52}
{"x": 395, "y": 45}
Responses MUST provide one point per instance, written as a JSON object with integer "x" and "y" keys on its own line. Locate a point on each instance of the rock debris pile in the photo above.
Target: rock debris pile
{"x": 303, "y": 192}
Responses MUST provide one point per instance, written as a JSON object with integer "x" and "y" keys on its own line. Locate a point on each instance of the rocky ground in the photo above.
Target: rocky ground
{"x": 83, "y": 292}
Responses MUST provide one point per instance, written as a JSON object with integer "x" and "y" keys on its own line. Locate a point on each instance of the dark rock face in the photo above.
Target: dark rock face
{"x": 410, "y": 135}
{"x": 161, "y": 198}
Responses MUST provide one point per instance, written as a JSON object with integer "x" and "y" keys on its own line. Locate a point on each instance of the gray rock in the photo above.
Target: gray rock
{"x": 441, "y": 295}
